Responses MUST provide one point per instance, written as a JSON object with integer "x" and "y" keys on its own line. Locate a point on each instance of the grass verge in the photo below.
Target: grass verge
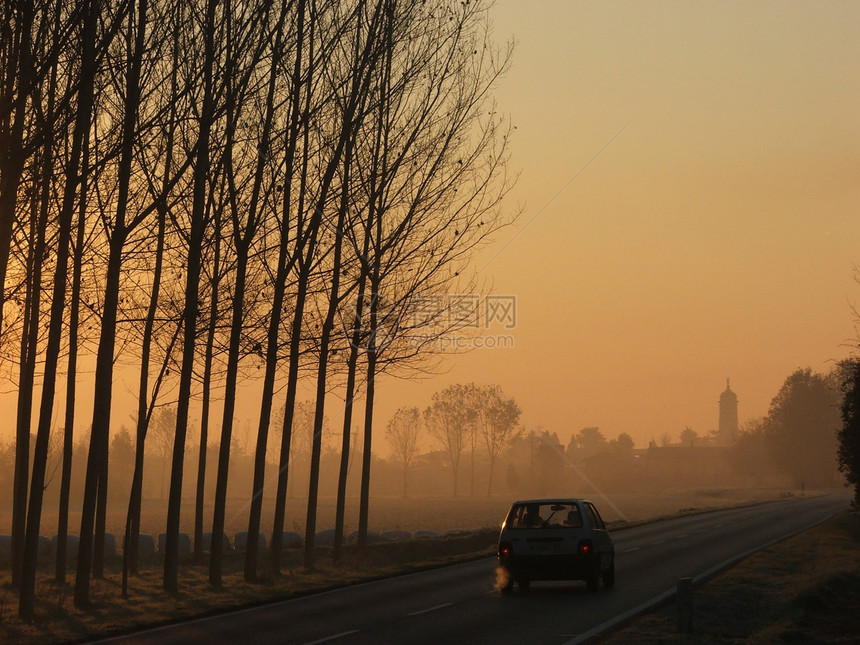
{"x": 58, "y": 620}
{"x": 803, "y": 590}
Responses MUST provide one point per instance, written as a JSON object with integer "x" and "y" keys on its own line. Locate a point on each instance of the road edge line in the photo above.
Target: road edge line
{"x": 669, "y": 594}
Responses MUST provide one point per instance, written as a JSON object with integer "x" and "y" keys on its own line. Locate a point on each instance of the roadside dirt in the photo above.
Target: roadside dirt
{"x": 803, "y": 590}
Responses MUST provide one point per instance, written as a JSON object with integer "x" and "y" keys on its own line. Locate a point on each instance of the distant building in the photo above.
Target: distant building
{"x": 690, "y": 465}
{"x": 728, "y": 428}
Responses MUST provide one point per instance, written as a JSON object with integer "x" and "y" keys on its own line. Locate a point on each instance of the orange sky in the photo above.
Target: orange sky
{"x": 715, "y": 236}
{"x": 708, "y": 156}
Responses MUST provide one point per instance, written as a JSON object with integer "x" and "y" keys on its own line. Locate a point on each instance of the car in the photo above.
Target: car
{"x": 555, "y": 539}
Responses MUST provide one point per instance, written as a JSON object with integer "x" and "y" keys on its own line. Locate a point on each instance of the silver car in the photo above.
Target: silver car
{"x": 555, "y": 539}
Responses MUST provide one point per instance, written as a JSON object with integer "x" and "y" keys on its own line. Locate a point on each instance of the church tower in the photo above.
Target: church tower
{"x": 728, "y": 429}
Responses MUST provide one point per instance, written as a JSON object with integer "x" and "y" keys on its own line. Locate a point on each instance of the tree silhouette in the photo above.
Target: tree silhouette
{"x": 498, "y": 424}
{"x": 689, "y": 437}
{"x": 590, "y": 441}
{"x": 447, "y": 419}
{"x": 801, "y": 428}
{"x": 623, "y": 444}
{"x": 244, "y": 176}
{"x": 848, "y": 435}
{"x": 83, "y": 116}
{"x": 402, "y": 434}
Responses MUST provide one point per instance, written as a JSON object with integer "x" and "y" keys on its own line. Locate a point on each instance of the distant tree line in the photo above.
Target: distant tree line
{"x": 461, "y": 419}
{"x": 795, "y": 442}
{"x": 809, "y": 435}
{"x": 797, "y": 438}
{"x": 473, "y": 430}
{"x": 212, "y": 189}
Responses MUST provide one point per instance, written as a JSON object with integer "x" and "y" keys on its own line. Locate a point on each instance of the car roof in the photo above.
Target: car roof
{"x": 551, "y": 500}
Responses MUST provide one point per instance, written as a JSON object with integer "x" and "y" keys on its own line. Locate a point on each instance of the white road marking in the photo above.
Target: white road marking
{"x": 635, "y": 548}
{"x": 429, "y": 609}
{"x": 670, "y": 593}
{"x": 333, "y": 637}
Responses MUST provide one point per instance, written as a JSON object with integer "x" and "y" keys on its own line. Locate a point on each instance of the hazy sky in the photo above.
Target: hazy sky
{"x": 690, "y": 213}
{"x": 714, "y": 236}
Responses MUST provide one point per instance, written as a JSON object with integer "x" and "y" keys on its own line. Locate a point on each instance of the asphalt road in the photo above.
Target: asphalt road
{"x": 459, "y": 604}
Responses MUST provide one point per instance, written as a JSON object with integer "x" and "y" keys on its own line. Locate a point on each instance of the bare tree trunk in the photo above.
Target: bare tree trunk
{"x": 364, "y": 269}
{"x": 303, "y": 237}
{"x": 364, "y": 497}
{"x": 243, "y": 238}
{"x": 289, "y": 407}
{"x": 305, "y": 268}
{"x": 363, "y": 62}
{"x": 284, "y": 265}
{"x": 132, "y": 522}
{"x": 251, "y": 548}
{"x": 98, "y": 571}
{"x": 135, "y": 41}
{"x": 206, "y": 387}
{"x": 95, "y": 490}
{"x": 82, "y": 122}
{"x": 12, "y": 115}
{"x": 322, "y": 368}
{"x": 192, "y": 285}
{"x": 374, "y": 230}
{"x": 145, "y": 405}
{"x": 351, "y": 366}
{"x": 352, "y": 362}
{"x": 219, "y": 510}
{"x": 71, "y": 377}
{"x": 490, "y": 479}
{"x": 472, "y": 464}
{"x": 17, "y": 81}
{"x": 30, "y": 334}
{"x": 40, "y": 455}
{"x": 200, "y": 493}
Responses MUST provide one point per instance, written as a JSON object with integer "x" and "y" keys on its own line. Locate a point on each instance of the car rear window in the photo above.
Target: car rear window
{"x": 544, "y": 516}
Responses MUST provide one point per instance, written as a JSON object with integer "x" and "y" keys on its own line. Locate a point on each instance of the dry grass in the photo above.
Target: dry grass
{"x": 803, "y": 590}
{"x": 414, "y": 513}
{"x": 671, "y": 502}
{"x": 58, "y": 620}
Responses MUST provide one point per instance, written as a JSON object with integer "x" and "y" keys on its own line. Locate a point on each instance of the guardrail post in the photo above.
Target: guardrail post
{"x": 685, "y": 605}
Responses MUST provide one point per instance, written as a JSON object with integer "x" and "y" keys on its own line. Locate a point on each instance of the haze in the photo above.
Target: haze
{"x": 687, "y": 180}
{"x": 306, "y": 215}
{"x": 714, "y": 234}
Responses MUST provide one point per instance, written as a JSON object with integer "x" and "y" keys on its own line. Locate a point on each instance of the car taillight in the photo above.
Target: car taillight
{"x": 505, "y": 548}
{"x": 585, "y": 547}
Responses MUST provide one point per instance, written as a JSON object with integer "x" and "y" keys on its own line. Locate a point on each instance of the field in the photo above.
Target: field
{"x": 478, "y": 518}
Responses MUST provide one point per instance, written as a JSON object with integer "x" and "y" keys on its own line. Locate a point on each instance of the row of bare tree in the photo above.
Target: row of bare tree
{"x": 215, "y": 187}
{"x": 463, "y": 415}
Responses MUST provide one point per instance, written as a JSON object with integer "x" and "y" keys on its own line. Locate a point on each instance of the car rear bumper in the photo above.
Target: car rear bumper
{"x": 550, "y": 567}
